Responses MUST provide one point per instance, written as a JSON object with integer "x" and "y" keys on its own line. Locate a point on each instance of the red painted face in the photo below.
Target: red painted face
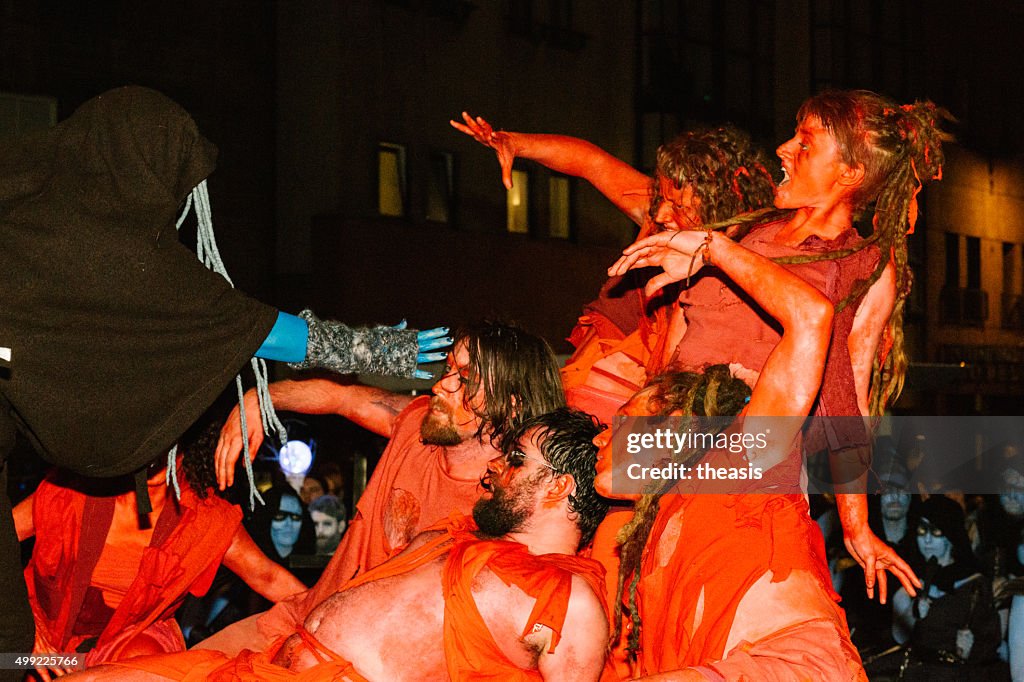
{"x": 679, "y": 208}
{"x": 522, "y": 463}
{"x": 452, "y": 418}
{"x": 607, "y": 467}
{"x": 812, "y": 166}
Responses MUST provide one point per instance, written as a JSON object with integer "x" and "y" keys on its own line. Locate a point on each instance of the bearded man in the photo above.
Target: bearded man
{"x": 501, "y": 597}
{"x": 496, "y": 377}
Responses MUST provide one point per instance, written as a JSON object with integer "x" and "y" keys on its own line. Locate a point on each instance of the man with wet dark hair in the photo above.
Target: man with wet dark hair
{"x": 506, "y": 601}
{"x": 565, "y": 437}
{"x": 497, "y": 376}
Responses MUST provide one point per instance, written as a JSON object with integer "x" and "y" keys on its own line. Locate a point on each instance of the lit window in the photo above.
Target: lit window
{"x": 518, "y": 203}
{"x": 391, "y": 179}
{"x": 558, "y": 202}
{"x": 441, "y": 192}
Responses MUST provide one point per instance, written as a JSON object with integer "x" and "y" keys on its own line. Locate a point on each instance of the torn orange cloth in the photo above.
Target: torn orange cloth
{"x": 812, "y": 650}
{"x": 716, "y": 547}
{"x": 206, "y": 665}
{"x": 187, "y": 546}
{"x": 409, "y": 491}
{"x": 470, "y": 652}
{"x": 605, "y": 551}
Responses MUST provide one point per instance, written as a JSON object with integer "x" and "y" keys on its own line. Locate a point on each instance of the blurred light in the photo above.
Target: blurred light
{"x": 295, "y": 457}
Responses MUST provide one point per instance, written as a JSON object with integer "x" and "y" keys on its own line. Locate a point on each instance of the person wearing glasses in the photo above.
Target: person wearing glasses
{"x": 951, "y": 627}
{"x": 501, "y": 596}
{"x": 282, "y": 526}
{"x": 495, "y": 377}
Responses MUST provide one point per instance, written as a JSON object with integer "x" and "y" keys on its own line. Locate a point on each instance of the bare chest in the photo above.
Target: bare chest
{"x": 389, "y": 629}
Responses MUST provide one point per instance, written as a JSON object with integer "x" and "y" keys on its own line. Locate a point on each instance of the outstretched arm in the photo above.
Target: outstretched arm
{"x": 372, "y": 408}
{"x": 265, "y": 577}
{"x": 307, "y": 342}
{"x": 867, "y": 549}
{"x": 623, "y": 185}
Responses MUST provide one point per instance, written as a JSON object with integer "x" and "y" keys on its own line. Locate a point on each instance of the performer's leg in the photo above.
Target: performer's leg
{"x": 17, "y": 628}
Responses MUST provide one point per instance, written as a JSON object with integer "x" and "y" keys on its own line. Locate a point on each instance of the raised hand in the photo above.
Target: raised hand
{"x": 229, "y": 447}
{"x": 500, "y": 141}
{"x": 678, "y": 253}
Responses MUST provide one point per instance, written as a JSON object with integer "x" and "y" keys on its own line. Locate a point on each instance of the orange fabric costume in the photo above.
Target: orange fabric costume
{"x": 716, "y": 548}
{"x": 470, "y": 651}
{"x": 188, "y": 542}
{"x": 620, "y": 342}
{"x": 409, "y": 491}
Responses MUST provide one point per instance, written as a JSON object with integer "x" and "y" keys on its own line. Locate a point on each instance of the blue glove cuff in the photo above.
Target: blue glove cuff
{"x": 286, "y": 342}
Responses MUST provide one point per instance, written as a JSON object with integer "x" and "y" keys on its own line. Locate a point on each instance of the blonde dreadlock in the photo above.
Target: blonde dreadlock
{"x": 713, "y": 393}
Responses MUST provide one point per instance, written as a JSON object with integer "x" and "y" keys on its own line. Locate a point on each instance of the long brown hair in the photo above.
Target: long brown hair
{"x": 518, "y": 372}
{"x": 900, "y": 149}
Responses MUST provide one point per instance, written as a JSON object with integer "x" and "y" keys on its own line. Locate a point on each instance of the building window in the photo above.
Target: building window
{"x": 391, "y": 179}
{"x": 952, "y": 260}
{"x": 518, "y": 203}
{"x": 704, "y": 61}
{"x": 441, "y": 188}
{"x": 973, "y": 262}
{"x": 962, "y": 301}
{"x": 1012, "y": 301}
{"x": 559, "y": 201}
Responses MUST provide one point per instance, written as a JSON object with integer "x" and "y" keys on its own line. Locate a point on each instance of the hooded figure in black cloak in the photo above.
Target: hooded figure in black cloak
{"x": 119, "y": 338}
{"x": 952, "y": 629}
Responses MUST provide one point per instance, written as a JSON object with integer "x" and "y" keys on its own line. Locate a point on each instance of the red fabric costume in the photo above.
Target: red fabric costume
{"x": 409, "y": 491}
{"x": 704, "y": 554}
{"x": 470, "y": 651}
{"x": 189, "y": 541}
{"x": 717, "y": 548}
{"x": 723, "y": 327}
{"x": 629, "y": 331}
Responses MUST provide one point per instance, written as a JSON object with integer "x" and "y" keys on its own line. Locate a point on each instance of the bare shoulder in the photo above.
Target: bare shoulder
{"x": 579, "y": 646}
{"x": 582, "y": 645}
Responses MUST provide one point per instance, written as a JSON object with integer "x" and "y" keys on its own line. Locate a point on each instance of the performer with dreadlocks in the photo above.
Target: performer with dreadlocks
{"x": 851, "y": 149}
{"x": 119, "y": 338}
{"x": 703, "y": 176}
{"x": 732, "y": 586}
{"x": 624, "y": 337}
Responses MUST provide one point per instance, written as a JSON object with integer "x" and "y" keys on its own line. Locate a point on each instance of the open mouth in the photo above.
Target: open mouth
{"x": 785, "y": 176}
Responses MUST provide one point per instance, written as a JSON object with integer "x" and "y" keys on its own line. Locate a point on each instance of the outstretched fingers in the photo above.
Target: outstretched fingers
{"x": 635, "y": 259}
{"x": 431, "y": 339}
{"x": 481, "y": 131}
